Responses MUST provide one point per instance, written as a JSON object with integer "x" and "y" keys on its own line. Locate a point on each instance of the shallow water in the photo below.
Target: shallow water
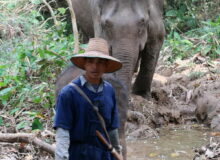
{"x": 173, "y": 143}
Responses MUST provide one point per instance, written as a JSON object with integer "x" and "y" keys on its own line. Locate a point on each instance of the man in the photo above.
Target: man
{"x": 76, "y": 122}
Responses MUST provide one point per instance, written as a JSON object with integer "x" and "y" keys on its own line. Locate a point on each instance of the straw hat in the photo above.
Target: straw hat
{"x": 97, "y": 48}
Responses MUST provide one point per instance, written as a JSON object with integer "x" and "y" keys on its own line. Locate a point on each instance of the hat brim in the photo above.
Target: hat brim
{"x": 112, "y": 66}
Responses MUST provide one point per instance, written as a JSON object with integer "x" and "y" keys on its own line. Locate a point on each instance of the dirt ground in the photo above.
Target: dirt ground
{"x": 184, "y": 93}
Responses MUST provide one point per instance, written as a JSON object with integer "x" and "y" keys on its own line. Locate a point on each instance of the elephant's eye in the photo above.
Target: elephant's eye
{"x": 142, "y": 25}
{"x": 107, "y": 24}
{"x": 142, "y": 22}
{"x": 107, "y": 27}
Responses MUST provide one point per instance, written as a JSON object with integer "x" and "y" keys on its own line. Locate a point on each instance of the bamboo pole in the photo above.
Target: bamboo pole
{"x": 74, "y": 27}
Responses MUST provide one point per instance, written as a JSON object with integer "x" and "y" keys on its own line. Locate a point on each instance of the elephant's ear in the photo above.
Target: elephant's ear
{"x": 96, "y": 8}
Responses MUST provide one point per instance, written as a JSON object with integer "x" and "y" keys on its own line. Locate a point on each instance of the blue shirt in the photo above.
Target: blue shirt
{"x": 75, "y": 114}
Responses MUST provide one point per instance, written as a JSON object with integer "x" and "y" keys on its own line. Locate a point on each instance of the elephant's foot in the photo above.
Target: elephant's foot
{"x": 144, "y": 94}
{"x": 147, "y": 96}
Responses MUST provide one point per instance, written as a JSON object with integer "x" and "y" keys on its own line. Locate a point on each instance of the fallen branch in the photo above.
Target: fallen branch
{"x": 27, "y": 138}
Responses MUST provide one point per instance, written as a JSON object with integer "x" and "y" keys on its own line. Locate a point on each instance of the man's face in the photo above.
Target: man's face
{"x": 95, "y": 67}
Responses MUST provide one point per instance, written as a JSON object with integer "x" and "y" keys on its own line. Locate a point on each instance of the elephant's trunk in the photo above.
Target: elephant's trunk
{"x": 128, "y": 55}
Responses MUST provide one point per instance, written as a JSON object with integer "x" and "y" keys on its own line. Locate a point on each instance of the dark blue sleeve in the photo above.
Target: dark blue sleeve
{"x": 64, "y": 110}
{"x": 114, "y": 116}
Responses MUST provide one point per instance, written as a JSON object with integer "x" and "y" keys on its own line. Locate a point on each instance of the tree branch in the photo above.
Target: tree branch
{"x": 74, "y": 27}
{"x": 27, "y": 138}
{"x": 51, "y": 12}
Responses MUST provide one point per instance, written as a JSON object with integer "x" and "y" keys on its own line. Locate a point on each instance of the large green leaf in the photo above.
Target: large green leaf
{"x": 6, "y": 93}
{"x": 62, "y": 10}
{"x": 37, "y": 124}
{"x": 218, "y": 50}
{"x": 1, "y": 121}
{"x": 171, "y": 13}
{"x": 206, "y": 50}
{"x": 36, "y": 99}
{"x": 13, "y": 111}
{"x": 21, "y": 125}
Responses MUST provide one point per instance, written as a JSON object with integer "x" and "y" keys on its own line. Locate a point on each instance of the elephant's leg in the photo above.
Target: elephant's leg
{"x": 149, "y": 57}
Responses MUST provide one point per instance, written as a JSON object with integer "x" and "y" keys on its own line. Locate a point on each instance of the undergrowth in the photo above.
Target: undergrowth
{"x": 193, "y": 27}
{"x": 34, "y": 50}
{"x": 204, "y": 40}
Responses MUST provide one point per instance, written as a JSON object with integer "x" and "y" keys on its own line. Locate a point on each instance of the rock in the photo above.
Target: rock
{"x": 143, "y": 131}
{"x": 210, "y": 151}
{"x": 215, "y": 123}
{"x": 136, "y": 117}
{"x": 207, "y": 111}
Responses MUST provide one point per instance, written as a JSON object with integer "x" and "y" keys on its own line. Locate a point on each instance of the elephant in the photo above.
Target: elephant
{"x": 135, "y": 33}
{"x": 121, "y": 95}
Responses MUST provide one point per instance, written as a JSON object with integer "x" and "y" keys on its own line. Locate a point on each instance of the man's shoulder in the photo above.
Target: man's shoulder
{"x": 69, "y": 89}
{"x": 66, "y": 90}
{"x": 108, "y": 86}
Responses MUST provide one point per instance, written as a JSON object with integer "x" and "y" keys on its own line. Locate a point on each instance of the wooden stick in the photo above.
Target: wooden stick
{"x": 109, "y": 146}
{"x": 74, "y": 27}
{"x": 51, "y": 12}
{"x": 27, "y": 138}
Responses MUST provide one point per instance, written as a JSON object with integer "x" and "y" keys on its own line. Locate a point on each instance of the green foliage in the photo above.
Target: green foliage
{"x": 21, "y": 125}
{"x": 180, "y": 19}
{"x": 186, "y": 15}
{"x": 204, "y": 40}
{"x": 37, "y": 124}
{"x": 1, "y": 121}
{"x": 36, "y": 117}
{"x": 33, "y": 51}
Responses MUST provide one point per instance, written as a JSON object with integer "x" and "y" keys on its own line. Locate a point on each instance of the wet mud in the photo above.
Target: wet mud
{"x": 174, "y": 142}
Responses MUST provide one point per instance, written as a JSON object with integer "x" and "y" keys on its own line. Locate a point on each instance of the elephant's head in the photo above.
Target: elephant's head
{"x": 125, "y": 24}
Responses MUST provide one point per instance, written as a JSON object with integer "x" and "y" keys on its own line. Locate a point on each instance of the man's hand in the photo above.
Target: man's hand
{"x": 114, "y": 138}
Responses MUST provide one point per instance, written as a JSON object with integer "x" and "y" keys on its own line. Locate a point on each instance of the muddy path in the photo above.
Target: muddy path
{"x": 184, "y": 94}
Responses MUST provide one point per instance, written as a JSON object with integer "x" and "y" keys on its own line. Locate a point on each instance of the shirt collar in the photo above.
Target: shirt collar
{"x": 84, "y": 82}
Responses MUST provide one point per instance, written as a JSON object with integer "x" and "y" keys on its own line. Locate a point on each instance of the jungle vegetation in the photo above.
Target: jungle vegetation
{"x": 36, "y": 43}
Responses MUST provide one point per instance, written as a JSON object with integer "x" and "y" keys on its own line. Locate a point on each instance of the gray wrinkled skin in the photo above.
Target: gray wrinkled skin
{"x": 134, "y": 30}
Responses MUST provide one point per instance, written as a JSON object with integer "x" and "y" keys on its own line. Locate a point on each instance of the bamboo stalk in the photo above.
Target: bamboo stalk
{"x": 74, "y": 27}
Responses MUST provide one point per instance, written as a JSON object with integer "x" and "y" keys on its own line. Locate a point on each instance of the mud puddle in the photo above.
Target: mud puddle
{"x": 173, "y": 143}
